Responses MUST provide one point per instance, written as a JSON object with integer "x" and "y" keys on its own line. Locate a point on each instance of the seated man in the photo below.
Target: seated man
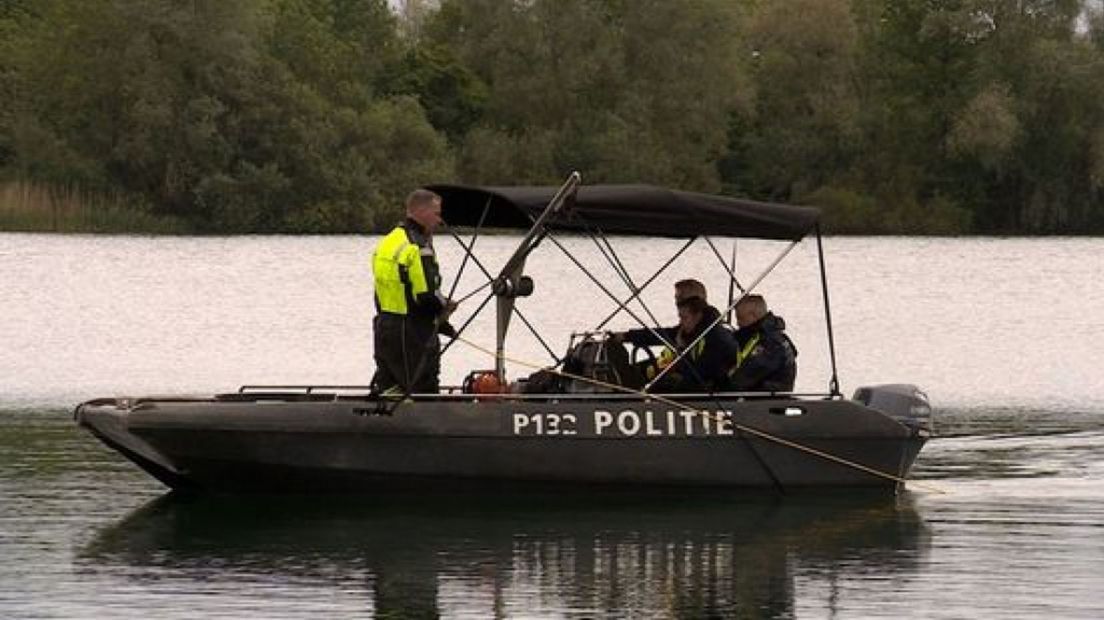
{"x": 765, "y": 356}
{"x": 703, "y": 368}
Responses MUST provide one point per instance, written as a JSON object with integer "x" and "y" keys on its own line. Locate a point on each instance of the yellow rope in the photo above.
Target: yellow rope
{"x": 715, "y": 418}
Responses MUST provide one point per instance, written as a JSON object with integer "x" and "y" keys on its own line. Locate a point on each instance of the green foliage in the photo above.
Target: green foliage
{"x": 626, "y": 92}
{"x": 245, "y": 116}
{"x": 802, "y": 130}
{"x": 987, "y": 128}
{"x": 846, "y": 211}
{"x": 452, "y": 95}
{"x": 58, "y": 208}
{"x": 896, "y": 116}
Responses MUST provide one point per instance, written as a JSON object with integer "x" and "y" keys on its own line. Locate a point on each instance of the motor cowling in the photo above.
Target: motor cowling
{"x": 904, "y": 402}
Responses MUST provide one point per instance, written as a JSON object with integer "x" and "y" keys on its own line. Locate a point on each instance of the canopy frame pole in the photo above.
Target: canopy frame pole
{"x": 470, "y": 248}
{"x": 473, "y": 292}
{"x": 648, "y": 282}
{"x": 632, "y": 288}
{"x": 605, "y": 290}
{"x": 619, "y": 267}
{"x": 731, "y": 282}
{"x": 731, "y": 271}
{"x": 705, "y": 332}
{"x": 536, "y": 334}
{"x": 507, "y": 282}
{"x": 471, "y": 318}
{"x": 833, "y": 383}
{"x": 490, "y": 282}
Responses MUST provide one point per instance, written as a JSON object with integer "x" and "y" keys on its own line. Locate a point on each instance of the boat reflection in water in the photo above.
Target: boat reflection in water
{"x": 652, "y": 555}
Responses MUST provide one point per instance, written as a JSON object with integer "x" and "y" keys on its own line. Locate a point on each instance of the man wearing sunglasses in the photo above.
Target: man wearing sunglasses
{"x": 704, "y": 367}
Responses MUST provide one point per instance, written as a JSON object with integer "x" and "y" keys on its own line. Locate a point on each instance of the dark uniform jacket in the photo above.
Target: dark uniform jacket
{"x": 704, "y": 368}
{"x": 766, "y": 357}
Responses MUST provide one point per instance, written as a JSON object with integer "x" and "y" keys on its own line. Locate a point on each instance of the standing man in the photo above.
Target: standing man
{"x": 410, "y": 309}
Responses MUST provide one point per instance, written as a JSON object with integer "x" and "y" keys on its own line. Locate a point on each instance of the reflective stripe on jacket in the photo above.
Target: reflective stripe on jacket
{"x": 667, "y": 356}
{"x": 744, "y": 352}
{"x": 767, "y": 360}
{"x": 397, "y": 265}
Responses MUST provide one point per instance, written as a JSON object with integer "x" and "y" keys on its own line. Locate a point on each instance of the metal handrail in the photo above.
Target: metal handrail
{"x": 307, "y": 389}
{"x": 457, "y": 395}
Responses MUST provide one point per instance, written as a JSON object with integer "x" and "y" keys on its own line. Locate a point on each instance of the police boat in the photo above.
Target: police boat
{"x": 575, "y": 422}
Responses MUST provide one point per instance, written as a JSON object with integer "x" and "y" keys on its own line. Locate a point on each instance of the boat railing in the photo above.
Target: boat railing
{"x": 455, "y": 394}
{"x": 306, "y": 389}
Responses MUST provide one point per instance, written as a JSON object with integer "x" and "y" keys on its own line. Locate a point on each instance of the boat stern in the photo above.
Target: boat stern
{"x": 903, "y": 402}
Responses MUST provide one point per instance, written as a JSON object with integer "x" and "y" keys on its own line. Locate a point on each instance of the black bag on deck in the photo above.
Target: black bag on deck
{"x": 601, "y": 360}
{"x": 592, "y": 357}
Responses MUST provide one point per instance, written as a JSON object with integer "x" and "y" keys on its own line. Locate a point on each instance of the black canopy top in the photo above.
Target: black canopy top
{"x": 643, "y": 210}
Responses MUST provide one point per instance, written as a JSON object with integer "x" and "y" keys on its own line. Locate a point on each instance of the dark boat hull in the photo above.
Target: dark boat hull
{"x": 282, "y": 443}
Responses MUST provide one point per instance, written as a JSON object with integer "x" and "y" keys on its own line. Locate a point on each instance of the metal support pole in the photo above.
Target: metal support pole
{"x": 833, "y": 383}
{"x": 647, "y": 282}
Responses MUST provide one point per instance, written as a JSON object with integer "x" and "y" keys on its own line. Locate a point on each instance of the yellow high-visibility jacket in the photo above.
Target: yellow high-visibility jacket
{"x": 406, "y": 275}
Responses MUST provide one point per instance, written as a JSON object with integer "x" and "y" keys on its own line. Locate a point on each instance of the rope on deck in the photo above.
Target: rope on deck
{"x": 715, "y": 418}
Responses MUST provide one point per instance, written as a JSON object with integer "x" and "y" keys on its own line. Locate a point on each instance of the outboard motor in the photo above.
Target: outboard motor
{"x": 904, "y": 402}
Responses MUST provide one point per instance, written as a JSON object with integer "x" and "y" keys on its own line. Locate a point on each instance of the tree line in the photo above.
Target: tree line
{"x": 895, "y": 116}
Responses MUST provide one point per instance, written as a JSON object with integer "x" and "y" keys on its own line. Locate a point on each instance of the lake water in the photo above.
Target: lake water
{"x": 1006, "y": 517}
